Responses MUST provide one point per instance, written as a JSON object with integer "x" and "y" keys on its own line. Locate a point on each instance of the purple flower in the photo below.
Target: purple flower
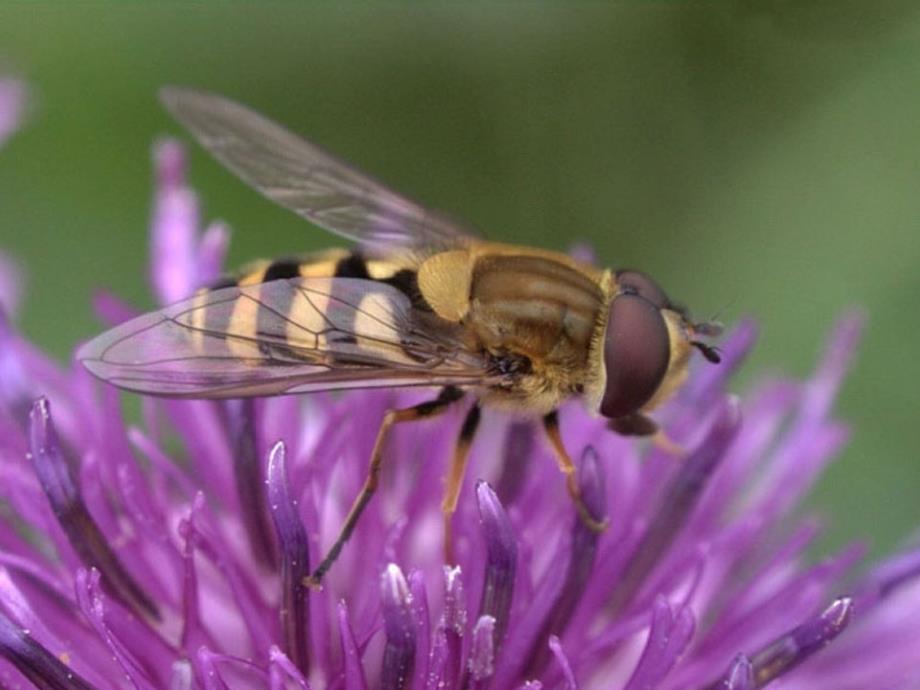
{"x": 172, "y": 552}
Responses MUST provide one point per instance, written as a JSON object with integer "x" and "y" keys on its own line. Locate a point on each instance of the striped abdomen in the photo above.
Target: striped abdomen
{"x": 248, "y": 320}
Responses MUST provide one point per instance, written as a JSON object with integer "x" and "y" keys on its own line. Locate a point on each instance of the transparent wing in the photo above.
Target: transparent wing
{"x": 304, "y": 178}
{"x": 285, "y": 336}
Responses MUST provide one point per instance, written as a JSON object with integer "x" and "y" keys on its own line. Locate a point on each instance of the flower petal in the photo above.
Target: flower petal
{"x": 675, "y": 506}
{"x": 354, "y": 672}
{"x": 399, "y": 652}
{"x": 481, "y": 662}
{"x": 668, "y": 637}
{"x": 174, "y": 274}
{"x": 794, "y": 647}
{"x": 248, "y": 473}
{"x": 35, "y": 662}
{"x": 563, "y": 661}
{"x": 501, "y": 560}
{"x": 295, "y": 562}
{"x": 82, "y": 531}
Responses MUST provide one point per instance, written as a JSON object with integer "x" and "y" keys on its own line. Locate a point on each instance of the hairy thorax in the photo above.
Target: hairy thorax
{"x": 534, "y": 314}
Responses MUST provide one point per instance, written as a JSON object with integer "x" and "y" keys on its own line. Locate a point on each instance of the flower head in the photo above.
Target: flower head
{"x": 172, "y": 552}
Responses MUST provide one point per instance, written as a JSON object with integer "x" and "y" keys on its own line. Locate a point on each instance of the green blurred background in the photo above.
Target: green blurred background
{"x": 758, "y": 157}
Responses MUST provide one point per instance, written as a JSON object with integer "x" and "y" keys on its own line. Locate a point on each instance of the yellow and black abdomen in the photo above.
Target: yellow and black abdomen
{"x": 247, "y": 320}
{"x": 329, "y": 263}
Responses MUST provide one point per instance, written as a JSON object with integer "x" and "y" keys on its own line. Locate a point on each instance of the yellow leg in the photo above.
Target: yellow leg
{"x": 668, "y": 445}
{"x": 455, "y": 477}
{"x": 424, "y": 410}
{"x": 567, "y": 467}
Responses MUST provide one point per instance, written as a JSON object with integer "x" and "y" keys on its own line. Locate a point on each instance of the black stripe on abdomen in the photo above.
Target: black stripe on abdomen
{"x": 352, "y": 266}
{"x": 280, "y": 269}
{"x": 406, "y": 281}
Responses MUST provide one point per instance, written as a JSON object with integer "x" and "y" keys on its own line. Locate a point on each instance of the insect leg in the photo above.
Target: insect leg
{"x": 455, "y": 477}
{"x": 637, "y": 424}
{"x": 423, "y": 410}
{"x": 567, "y": 466}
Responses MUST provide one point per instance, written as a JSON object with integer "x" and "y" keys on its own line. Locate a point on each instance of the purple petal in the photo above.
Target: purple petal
{"x": 668, "y": 637}
{"x": 174, "y": 228}
{"x": 793, "y": 648}
{"x": 208, "y": 672}
{"x": 248, "y": 605}
{"x": 208, "y": 443}
{"x": 89, "y": 598}
{"x": 282, "y": 667}
{"x": 501, "y": 560}
{"x": 212, "y": 250}
{"x": 183, "y": 676}
{"x": 448, "y": 647}
{"x": 56, "y": 625}
{"x": 584, "y": 540}
{"x": 886, "y": 578}
{"x": 35, "y": 662}
{"x": 419, "y": 598}
{"x": 399, "y": 652}
{"x": 563, "y": 661}
{"x": 295, "y": 561}
{"x": 354, "y": 672}
{"x": 798, "y": 645}
{"x": 111, "y": 310}
{"x": 83, "y": 533}
{"x": 676, "y": 505}
{"x": 481, "y": 662}
{"x": 740, "y": 675}
{"x": 248, "y": 473}
{"x": 193, "y": 634}
{"x": 834, "y": 365}
{"x": 551, "y": 609}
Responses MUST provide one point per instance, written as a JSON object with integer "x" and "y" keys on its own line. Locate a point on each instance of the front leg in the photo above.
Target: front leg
{"x": 567, "y": 467}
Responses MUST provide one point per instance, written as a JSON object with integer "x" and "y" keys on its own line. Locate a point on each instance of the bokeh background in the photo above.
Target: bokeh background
{"x": 759, "y": 157}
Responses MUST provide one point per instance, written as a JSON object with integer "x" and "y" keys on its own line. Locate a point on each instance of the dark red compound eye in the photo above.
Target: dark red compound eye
{"x": 636, "y": 354}
{"x": 639, "y": 283}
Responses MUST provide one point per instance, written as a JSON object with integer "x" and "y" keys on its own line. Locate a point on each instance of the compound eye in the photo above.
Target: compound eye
{"x": 636, "y": 354}
{"x": 639, "y": 283}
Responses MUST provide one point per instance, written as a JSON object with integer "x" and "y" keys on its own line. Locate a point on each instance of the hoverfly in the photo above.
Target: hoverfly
{"x": 421, "y": 301}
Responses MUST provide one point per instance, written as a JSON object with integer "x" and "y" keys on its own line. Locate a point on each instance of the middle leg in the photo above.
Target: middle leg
{"x": 455, "y": 477}
{"x": 423, "y": 410}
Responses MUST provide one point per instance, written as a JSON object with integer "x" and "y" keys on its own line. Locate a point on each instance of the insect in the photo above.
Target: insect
{"x": 421, "y": 301}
